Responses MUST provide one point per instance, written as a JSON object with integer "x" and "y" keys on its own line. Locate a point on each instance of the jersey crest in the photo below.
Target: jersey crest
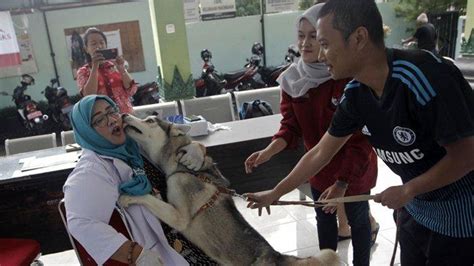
{"x": 404, "y": 136}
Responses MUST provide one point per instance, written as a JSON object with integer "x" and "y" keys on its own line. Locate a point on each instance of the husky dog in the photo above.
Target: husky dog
{"x": 196, "y": 205}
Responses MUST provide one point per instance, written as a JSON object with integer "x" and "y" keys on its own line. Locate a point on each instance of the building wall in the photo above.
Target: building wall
{"x": 69, "y": 18}
{"x": 230, "y": 40}
{"x": 469, "y": 18}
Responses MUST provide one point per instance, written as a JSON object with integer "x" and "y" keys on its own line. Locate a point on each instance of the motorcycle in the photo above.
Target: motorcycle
{"x": 269, "y": 75}
{"x": 292, "y": 54}
{"x": 29, "y": 115}
{"x": 146, "y": 94}
{"x": 59, "y": 104}
{"x": 212, "y": 83}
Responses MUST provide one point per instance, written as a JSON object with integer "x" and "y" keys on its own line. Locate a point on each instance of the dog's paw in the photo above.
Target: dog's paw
{"x": 125, "y": 201}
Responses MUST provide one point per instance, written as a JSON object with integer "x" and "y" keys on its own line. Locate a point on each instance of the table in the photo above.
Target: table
{"x": 29, "y": 199}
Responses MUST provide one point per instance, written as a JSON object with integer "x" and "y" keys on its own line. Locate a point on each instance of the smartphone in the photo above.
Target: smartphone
{"x": 109, "y": 54}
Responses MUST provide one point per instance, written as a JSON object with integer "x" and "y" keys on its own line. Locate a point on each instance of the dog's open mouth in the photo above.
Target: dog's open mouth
{"x": 129, "y": 127}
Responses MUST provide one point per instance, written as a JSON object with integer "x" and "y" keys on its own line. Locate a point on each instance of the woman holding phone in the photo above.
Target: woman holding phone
{"x": 102, "y": 76}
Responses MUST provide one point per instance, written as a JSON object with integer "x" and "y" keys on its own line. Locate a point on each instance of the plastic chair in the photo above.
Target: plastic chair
{"x": 67, "y": 137}
{"x": 117, "y": 221}
{"x": 162, "y": 109}
{"x": 19, "y": 252}
{"x": 270, "y": 95}
{"x": 215, "y": 109}
{"x": 39, "y": 142}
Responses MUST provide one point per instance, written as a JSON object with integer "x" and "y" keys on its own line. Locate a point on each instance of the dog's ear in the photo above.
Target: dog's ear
{"x": 180, "y": 129}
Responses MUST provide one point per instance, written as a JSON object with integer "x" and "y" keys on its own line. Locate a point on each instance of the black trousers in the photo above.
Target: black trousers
{"x": 358, "y": 218}
{"x": 421, "y": 246}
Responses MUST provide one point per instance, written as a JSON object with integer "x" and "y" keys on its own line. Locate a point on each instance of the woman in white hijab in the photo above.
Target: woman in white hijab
{"x": 308, "y": 101}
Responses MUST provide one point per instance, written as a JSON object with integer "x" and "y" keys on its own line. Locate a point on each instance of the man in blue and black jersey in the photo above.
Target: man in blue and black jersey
{"x": 417, "y": 111}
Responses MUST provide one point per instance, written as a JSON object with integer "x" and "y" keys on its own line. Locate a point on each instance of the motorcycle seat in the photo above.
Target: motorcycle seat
{"x": 235, "y": 75}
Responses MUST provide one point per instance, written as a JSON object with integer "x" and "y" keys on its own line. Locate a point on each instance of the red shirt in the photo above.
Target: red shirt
{"x": 309, "y": 117}
{"x": 109, "y": 76}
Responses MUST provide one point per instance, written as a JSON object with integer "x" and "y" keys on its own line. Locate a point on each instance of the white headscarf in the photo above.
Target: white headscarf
{"x": 301, "y": 76}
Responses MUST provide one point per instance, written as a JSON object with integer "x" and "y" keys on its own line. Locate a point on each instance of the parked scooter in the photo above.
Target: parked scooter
{"x": 146, "y": 94}
{"x": 292, "y": 54}
{"x": 268, "y": 75}
{"x": 29, "y": 115}
{"x": 59, "y": 104}
{"x": 212, "y": 83}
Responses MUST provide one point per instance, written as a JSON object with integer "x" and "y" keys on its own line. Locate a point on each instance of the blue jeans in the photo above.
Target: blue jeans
{"x": 358, "y": 217}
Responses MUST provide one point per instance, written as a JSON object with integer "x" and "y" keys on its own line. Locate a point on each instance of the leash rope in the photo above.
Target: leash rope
{"x": 314, "y": 204}
{"x": 397, "y": 223}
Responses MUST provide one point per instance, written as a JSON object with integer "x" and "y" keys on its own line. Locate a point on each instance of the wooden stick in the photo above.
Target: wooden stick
{"x": 349, "y": 199}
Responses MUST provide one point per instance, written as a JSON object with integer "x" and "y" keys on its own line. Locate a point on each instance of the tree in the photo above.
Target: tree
{"x": 305, "y": 4}
{"x": 247, "y": 7}
{"x": 410, "y": 9}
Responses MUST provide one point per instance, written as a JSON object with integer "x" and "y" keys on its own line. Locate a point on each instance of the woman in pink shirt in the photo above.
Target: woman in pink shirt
{"x": 105, "y": 77}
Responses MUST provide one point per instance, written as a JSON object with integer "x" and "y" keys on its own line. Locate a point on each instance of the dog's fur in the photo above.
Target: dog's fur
{"x": 220, "y": 231}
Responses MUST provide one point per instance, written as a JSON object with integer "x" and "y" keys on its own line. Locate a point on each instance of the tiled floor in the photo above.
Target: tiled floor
{"x": 292, "y": 229}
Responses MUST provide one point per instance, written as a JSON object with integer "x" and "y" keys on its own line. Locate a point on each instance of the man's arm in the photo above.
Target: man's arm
{"x": 458, "y": 161}
{"x": 310, "y": 164}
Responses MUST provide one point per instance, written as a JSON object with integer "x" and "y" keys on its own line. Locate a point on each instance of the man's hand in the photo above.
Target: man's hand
{"x": 192, "y": 156}
{"x": 394, "y": 197}
{"x": 255, "y": 159}
{"x": 334, "y": 191}
{"x": 262, "y": 199}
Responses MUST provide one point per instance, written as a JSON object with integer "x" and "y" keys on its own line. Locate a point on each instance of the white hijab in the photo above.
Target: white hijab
{"x": 301, "y": 76}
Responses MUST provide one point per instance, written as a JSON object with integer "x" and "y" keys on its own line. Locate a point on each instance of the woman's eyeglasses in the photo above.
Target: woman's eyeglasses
{"x": 103, "y": 119}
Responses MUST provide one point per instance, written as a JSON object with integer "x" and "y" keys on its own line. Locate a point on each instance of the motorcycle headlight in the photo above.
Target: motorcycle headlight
{"x": 37, "y": 120}
{"x": 45, "y": 117}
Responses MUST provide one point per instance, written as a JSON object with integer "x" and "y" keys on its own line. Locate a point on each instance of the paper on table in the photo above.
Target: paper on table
{"x": 27, "y": 159}
{"x": 48, "y": 161}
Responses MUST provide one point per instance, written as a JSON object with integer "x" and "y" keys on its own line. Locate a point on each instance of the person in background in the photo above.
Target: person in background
{"x": 110, "y": 165}
{"x": 417, "y": 111}
{"x": 425, "y": 34}
{"x": 309, "y": 98}
{"x": 105, "y": 77}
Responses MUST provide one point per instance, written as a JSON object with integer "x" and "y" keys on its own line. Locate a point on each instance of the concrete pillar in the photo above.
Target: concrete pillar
{"x": 469, "y": 18}
{"x": 171, "y": 44}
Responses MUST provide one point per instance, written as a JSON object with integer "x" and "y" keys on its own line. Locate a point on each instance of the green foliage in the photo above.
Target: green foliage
{"x": 305, "y": 4}
{"x": 179, "y": 89}
{"x": 247, "y": 7}
{"x": 410, "y": 9}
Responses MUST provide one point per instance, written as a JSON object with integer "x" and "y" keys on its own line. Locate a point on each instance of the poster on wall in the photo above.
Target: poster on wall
{"x": 75, "y": 48}
{"x": 217, "y": 9}
{"x": 274, "y": 6}
{"x": 191, "y": 11}
{"x": 16, "y": 50}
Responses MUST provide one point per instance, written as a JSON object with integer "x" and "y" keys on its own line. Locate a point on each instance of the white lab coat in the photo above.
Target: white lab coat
{"x": 91, "y": 192}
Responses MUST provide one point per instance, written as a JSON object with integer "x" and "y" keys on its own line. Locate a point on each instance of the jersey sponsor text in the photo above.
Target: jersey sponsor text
{"x": 400, "y": 157}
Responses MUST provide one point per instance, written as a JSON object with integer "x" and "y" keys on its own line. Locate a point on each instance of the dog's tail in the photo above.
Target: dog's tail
{"x": 326, "y": 257}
